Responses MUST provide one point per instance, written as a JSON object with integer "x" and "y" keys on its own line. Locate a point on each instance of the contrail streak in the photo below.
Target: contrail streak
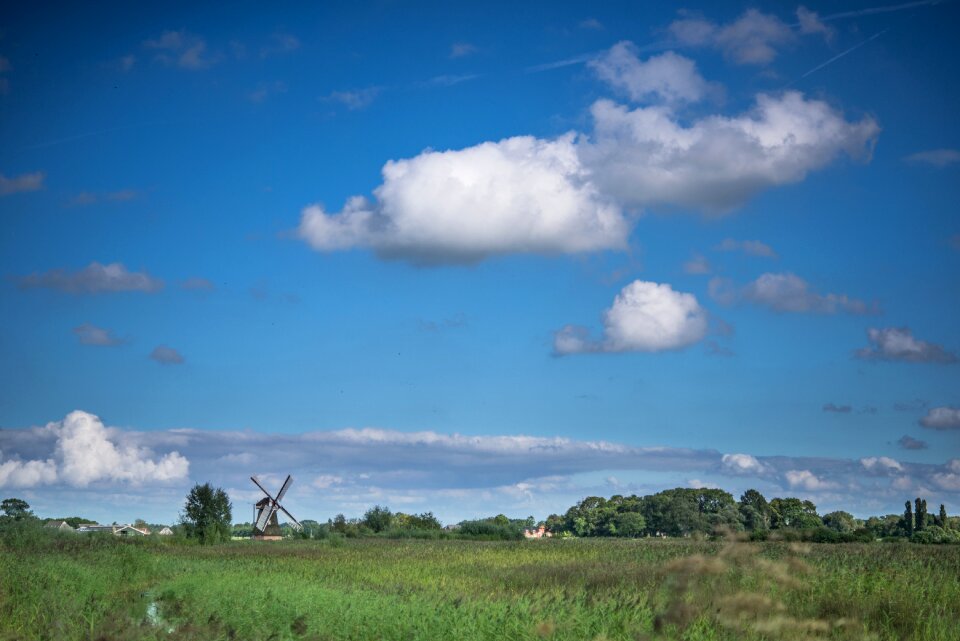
{"x": 59, "y": 141}
{"x": 885, "y": 9}
{"x": 838, "y": 56}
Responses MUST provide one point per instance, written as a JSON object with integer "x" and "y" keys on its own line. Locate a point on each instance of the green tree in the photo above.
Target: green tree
{"x": 630, "y": 524}
{"x": 16, "y": 509}
{"x": 378, "y": 518}
{"x": 794, "y": 513}
{"x": 942, "y": 520}
{"x": 840, "y": 521}
{"x": 919, "y": 514}
{"x": 206, "y": 514}
{"x": 755, "y": 512}
{"x": 908, "y": 519}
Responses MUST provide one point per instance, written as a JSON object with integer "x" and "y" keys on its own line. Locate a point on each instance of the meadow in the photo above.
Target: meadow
{"x": 79, "y": 587}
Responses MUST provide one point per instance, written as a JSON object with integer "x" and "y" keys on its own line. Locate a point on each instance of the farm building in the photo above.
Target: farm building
{"x": 118, "y": 530}
{"x": 58, "y": 525}
{"x": 537, "y": 533}
{"x": 165, "y": 532}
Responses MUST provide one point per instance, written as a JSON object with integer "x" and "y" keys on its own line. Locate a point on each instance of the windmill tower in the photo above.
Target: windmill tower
{"x": 266, "y": 527}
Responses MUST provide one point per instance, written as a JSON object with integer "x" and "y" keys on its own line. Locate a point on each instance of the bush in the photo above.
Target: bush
{"x": 488, "y": 531}
{"x": 935, "y": 534}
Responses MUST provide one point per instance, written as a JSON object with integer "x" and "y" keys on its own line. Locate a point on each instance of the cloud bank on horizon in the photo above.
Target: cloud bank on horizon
{"x": 455, "y": 475}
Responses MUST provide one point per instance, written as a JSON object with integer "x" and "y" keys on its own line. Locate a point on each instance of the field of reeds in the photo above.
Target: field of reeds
{"x": 75, "y": 587}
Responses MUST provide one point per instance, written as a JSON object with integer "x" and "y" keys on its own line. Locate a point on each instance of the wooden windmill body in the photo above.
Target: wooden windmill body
{"x": 266, "y": 526}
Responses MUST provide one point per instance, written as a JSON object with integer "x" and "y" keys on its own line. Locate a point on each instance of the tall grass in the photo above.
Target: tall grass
{"x": 79, "y": 588}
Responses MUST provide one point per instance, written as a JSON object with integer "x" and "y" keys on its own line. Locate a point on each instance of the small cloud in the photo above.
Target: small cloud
{"x": 898, "y": 344}
{"x": 95, "y": 278}
{"x": 266, "y": 89}
{"x": 122, "y": 196}
{"x": 942, "y": 418}
{"x": 166, "y": 355}
{"x": 668, "y": 77}
{"x": 751, "y": 247}
{"x": 21, "y": 183}
{"x": 881, "y": 464}
{"x": 752, "y": 39}
{"x": 644, "y": 317}
{"x": 807, "y": 480}
{"x": 787, "y": 292}
{"x": 83, "y": 198}
{"x": 127, "y": 62}
{"x": 810, "y": 23}
{"x": 837, "y": 409}
{"x": 697, "y": 265}
{"x": 197, "y": 284}
{"x": 448, "y": 80}
{"x": 742, "y": 465}
{"x": 354, "y": 99}
{"x": 455, "y": 322}
{"x": 935, "y": 157}
{"x": 182, "y": 49}
{"x": 461, "y": 49}
{"x": 909, "y": 443}
{"x": 591, "y": 24}
{"x": 914, "y": 405}
{"x": 92, "y": 335}
{"x": 867, "y": 409}
{"x": 280, "y": 43}
{"x": 716, "y": 349}
{"x": 89, "y": 198}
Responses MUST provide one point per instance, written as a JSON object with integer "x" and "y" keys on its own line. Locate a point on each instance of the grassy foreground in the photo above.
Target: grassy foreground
{"x": 70, "y": 587}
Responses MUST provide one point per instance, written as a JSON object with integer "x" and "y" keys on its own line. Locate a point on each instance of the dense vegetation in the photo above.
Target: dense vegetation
{"x": 57, "y": 585}
{"x": 688, "y": 512}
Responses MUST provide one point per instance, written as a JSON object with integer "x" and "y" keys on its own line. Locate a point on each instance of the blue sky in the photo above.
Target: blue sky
{"x": 429, "y": 255}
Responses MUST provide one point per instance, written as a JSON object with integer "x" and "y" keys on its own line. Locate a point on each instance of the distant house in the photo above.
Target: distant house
{"x": 95, "y": 527}
{"x": 129, "y": 530}
{"x": 117, "y": 530}
{"x": 537, "y": 533}
{"x": 165, "y": 532}
{"x": 58, "y": 525}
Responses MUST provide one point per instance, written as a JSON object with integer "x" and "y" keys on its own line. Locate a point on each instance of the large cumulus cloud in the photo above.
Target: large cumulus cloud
{"x": 567, "y": 194}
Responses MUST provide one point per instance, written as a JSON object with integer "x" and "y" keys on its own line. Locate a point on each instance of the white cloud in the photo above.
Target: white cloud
{"x": 26, "y": 474}
{"x": 881, "y": 464}
{"x": 668, "y": 76}
{"x": 751, "y": 39}
{"x": 23, "y": 182}
{"x": 942, "y": 418}
{"x": 86, "y": 452}
{"x": 751, "y": 247}
{"x": 898, "y": 344}
{"x": 697, "y": 265}
{"x": 182, "y": 49}
{"x": 644, "y": 317}
{"x": 742, "y": 464}
{"x": 810, "y": 23}
{"x": 95, "y": 278}
{"x": 461, "y": 49}
{"x": 646, "y": 156}
{"x": 950, "y": 479}
{"x": 354, "y": 99}
{"x": 807, "y": 480}
{"x": 519, "y": 195}
{"x": 92, "y": 335}
{"x": 788, "y": 292}
{"x": 166, "y": 355}
{"x": 935, "y": 157}
{"x": 907, "y": 442}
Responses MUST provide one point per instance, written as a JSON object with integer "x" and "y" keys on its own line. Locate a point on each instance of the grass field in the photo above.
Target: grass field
{"x": 70, "y": 587}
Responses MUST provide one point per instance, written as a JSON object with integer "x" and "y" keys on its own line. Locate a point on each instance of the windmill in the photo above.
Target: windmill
{"x": 265, "y": 524}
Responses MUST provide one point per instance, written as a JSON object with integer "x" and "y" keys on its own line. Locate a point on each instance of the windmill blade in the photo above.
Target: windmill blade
{"x": 265, "y": 514}
{"x": 295, "y": 521}
{"x": 257, "y": 483}
{"x": 283, "y": 490}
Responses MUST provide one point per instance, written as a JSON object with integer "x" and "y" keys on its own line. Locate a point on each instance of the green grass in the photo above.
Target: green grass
{"x": 63, "y": 588}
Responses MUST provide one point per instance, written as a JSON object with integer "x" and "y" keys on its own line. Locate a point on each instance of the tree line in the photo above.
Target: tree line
{"x": 688, "y": 512}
